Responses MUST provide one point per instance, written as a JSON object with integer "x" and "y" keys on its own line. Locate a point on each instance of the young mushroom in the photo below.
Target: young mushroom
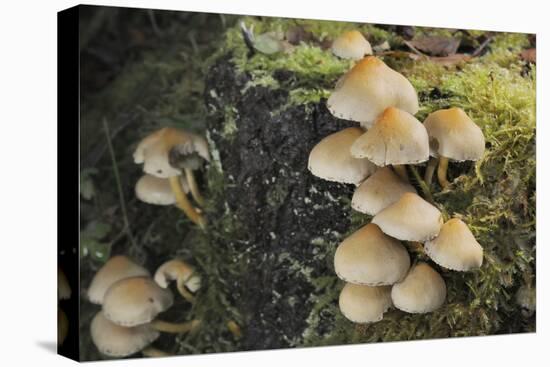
{"x": 157, "y": 191}
{"x": 331, "y": 160}
{"x": 117, "y": 268}
{"x": 370, "y": 87}
{"x": 364, "y": 304}
{"x": 184, "y": 275}
{"x": 423, "y": 290}
{"x": 379, "y": 191}
{"x": 169, "y": 151}
{"x": 453, "y": 135}
{"x": 351, "y": 45}
{"x": 369, "y": 257}
{"x": 411, "y": 218}
{"x": 455, "y": 247}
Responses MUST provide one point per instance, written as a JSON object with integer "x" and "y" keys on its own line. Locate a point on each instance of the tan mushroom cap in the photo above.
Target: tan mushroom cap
{"x": 364, "y": 304}
{"x": 379, "y": 191}
{"x": 396, "y": 137}
{"x": 63, "y": 287}
{"x": 351, "y": 45}
{"x": 455, "y": 247}
{"x": 117, "y": 268}
{"x": 154, "y": 150}
{"x": 331, "y": 160}
{"x": 135, "y": 301}
{"x": 411, "y": 218}
{"x": 118, "y": 341}
{"x": 62, "y": 326}
{"x": 370, "y": 87}
{"x": 157, "y": 191}
{"x": 369, "y": 257}
{"x": 423, "y": 290}
{"x": 454, "y": 135}
{"x": 180, "y": 271}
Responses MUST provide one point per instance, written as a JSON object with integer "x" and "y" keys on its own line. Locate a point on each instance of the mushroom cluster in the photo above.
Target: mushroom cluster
{"x": 131, "y": 300}
{"x": 374, "y": 156}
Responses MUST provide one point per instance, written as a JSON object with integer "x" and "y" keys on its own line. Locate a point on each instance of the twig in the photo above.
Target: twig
{"x": 118, "y": 184}
{"x": 154, "y": 24}
{"x": 481, "y": 47}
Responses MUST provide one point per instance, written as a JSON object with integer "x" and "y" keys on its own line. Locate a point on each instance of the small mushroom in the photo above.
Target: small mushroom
{"x": 364, "y": 304}
{"x": 370, "y": 87}
{"x": 166, "y": 153}
{"x": 423, "y": 290}
{"x": 331, "y": 160}
{"x": 411, "y": 218}
{"x": 157, "y": 191}
{"x": 379, "y": 191}
{"x": 455, "y": 247}
{"x": 63, "y": 287}
{"x": 453, "y": 135}
{"x": 182, "y": 273}
{"x": 117, "y": 268}
{"x": 351, "y": 45}
{"x": 369, "y": 257}
{"x": 62, "y": 326}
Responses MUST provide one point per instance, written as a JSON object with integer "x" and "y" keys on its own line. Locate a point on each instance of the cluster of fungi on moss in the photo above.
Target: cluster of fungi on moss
{"x": 374, "y": 156}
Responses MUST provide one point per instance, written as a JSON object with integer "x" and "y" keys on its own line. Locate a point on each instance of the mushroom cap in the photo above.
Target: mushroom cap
{"x": 363, "y": 304}
{"x": 63, "y": 287}
{"x": 455, "y": 247}
{"x": 423, "y": 290}
{"x": 135, "y": 301}
{"x": 370, "y": 87}
{"x": 118, "y": 341}
{"x": 331, "y": 160}
{"x": 379, "y": 191}
{"x": 62, "y": 326}
{"x": 180, "y": 271}
{"x": 411, "y": 218}
{"x": 454, "y": 135}
{"x": 155, "y": 150}
{"x": 157, "y": 191}
{"x": 396, "y": 137}
{"x": 117, "y": 268}
{"x": 351, "y": 45}
{"x": 369, "y": 257}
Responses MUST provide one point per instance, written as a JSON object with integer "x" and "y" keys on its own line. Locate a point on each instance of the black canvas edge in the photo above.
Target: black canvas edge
{"x": 68, "y": 176}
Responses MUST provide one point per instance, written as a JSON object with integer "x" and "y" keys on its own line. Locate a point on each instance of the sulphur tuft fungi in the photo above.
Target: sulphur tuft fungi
{"x": 364, "y": 304}
{"x": 351, "y": 45}
{"x": 411, "y": 218}
{"x": 453, "y": 135}
{"x": 331, "y": 160}
{"x": 423, "y": 290}
{"x": 455, "y": 247}
{"x": 370, "y": 87}
{"x": 369, "y": 257}
{"x": 157, "y": 191}
{"x": 168, "y": 153}
{"x": 187, "y": 280}
{"x": 379, "y": 191}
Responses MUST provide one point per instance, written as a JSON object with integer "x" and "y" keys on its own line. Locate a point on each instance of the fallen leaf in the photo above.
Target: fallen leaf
{"x": 529, "y": 55}
{"x": 434, "y": 45}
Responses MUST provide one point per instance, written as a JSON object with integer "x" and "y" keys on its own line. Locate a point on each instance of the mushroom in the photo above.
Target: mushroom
{"x": 182, "y": 273}
{"x": 411, "y": 218}
{"x": 351, "y": 45}
{"x": 379, "y": 191}
{"x": 396, "y": 138}
{"x": 455, "y": 247}
{"x": 423, "y": 290}
{"x": 369, "y": 257}
{"x": 168, "y": 151}
{"x": 62, "y": 326}
{"x": 157, "y": 191}
{"x": 117, "y": 268}
{"x": 364, "y": 304}
{"x": 453, "y": 135}
{"x": 370, "y": 87}
{"x": 331, "y": 160}
{"x": 63, "y": 287}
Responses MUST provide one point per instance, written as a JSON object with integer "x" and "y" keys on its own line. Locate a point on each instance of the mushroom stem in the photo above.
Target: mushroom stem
{"x": 430, "y": 169}
{"x": 184, "y": 292}
{"x": 401, "y": 170}
{"x": 154, "y": 352}
{"x": 175, "y": 328}
{"x": 442, "y": 171}
{"x": 184, "y": 204}
{"x": 193, "y": 186}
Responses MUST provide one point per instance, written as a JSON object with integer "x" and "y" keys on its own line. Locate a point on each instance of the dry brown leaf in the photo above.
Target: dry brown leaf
{"x": 434, "y": 45}
{"x": 529, "y": 55}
